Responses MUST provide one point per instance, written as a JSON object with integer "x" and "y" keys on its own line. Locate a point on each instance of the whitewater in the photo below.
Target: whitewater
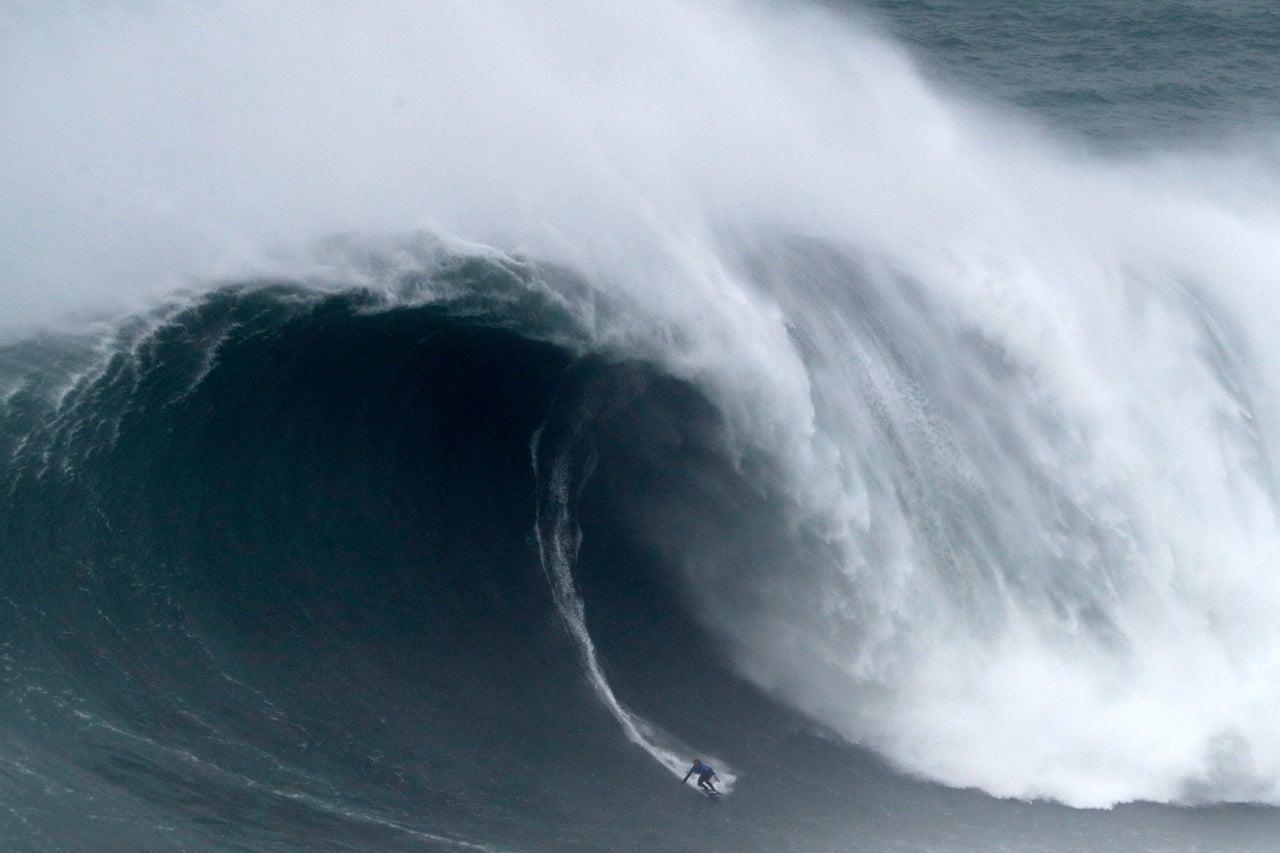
{"x": 940, "y": 421}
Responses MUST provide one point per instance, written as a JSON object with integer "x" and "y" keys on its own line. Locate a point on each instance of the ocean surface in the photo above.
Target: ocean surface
{"x": 432, "y": 426}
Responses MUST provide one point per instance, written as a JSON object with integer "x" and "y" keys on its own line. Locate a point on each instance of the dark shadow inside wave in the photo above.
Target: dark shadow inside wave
{"x": 302, "y": 559}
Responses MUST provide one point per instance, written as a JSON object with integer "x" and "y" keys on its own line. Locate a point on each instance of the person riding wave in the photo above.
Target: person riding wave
{"x": 705, "y": 775}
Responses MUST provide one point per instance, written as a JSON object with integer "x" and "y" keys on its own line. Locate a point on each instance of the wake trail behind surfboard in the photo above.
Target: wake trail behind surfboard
{"x": 559, "y": 538}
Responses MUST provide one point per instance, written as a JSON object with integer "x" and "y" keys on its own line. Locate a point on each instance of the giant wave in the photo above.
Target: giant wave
{"x": 913, "y": 428}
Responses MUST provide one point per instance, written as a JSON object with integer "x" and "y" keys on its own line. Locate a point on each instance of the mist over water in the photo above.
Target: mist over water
{"x": 1015, "y": 404}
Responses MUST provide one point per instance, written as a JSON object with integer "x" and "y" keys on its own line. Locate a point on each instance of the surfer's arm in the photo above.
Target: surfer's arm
{"x": 686, "y": 777}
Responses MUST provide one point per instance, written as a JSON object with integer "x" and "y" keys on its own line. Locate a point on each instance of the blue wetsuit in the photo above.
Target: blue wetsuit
{"x": 705, "y": 773}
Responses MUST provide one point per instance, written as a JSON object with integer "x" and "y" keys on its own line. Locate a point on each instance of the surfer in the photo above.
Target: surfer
{"x": 705, "y": 775}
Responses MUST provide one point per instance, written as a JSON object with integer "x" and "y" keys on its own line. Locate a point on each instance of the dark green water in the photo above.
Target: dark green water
{"x": 1124, "y": 75}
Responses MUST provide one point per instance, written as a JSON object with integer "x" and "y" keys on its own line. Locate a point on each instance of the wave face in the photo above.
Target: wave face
{"x": 742, "y": 396}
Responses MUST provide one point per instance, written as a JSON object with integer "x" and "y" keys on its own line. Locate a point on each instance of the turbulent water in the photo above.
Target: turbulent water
{"x": 432, "y": 426}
